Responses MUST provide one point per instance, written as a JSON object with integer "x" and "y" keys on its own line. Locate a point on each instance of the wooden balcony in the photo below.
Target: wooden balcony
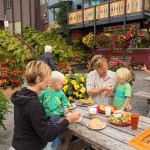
{"x": 106, "y": 12}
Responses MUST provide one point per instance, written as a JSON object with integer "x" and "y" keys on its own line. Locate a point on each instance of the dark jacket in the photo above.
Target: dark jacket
{"x": 47, "y": 57}
{"x": 31, "y": 128}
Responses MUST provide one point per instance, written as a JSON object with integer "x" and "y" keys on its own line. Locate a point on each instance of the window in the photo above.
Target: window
{"x": 79, "y": 6}
{"x": 42, "y": 2}
{"x": 7, "y": 4}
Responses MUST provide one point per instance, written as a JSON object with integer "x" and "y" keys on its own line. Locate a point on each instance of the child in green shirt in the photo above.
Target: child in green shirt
{"x": 54, "y": 101}
{"x": 123, "y": 89}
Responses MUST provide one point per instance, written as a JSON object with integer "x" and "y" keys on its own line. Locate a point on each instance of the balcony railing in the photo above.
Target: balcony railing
{"x": 107, "y": 10}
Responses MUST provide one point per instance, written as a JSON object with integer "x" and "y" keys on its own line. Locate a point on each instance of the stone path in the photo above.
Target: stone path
{"x": 138, "y": 105}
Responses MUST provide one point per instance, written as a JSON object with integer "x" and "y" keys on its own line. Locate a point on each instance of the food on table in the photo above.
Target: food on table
{"x": 102, "y": 107}
{"x": 120, "y": 117}
{"x": 85, "y": 102}
{"x": 71, "y": 105}
{"x": 117, "y": 113}
{"x": 95, "y": 123}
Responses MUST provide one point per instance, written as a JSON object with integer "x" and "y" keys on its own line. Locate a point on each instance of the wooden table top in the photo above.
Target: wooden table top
{"x": 112, "y": 137}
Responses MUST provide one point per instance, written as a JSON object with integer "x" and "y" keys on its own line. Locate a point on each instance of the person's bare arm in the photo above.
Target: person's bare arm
{"x": 100, "y": 90}
{"x": 125, "y": 103}
{"x": 144, "y": 68}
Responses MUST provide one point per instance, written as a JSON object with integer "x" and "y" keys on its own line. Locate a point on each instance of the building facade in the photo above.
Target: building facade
{"x": 110, "y": 16}
{"x": 20, "y": 13}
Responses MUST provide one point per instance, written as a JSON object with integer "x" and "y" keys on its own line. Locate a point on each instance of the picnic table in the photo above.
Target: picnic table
{"x": 112, "y": 137}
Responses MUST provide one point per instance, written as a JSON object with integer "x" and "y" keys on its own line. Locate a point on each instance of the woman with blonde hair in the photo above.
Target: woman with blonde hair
{"x": 31, "y": 128}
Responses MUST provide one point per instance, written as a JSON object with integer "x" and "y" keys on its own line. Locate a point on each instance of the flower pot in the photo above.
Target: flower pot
{"x": 9, "y": 91}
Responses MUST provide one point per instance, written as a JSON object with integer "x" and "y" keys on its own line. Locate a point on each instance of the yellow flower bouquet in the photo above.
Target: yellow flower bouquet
{"x": 75, "y": 86}
{"x": 89, "y": 40}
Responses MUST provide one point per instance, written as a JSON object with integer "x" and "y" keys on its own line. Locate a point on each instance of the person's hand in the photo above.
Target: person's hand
{"x": 66, "y": 110}
{"x": 128, "y": 108}
{"x": 73, "y": 117}
{"x": 109, "y": 94}
{"x": 122, "y": 109}
{"x": 109, "y": 87}
{"x": 143, "y": 68}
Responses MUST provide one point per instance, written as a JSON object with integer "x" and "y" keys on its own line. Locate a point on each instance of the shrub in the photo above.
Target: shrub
{"x": 75, "y": 86}
{"x": 10, "y": 75}
{"x": 4, "y": 106}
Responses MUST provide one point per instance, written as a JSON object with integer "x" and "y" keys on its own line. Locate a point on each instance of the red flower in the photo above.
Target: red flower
{"x": 3, "y": 63}
{"x": 15, "y": 80}
{"x": 9, "y": 74}
{"x": 12, "y": 73}
{"x": 5, "y": 75}
{"x": 21, "y": 72}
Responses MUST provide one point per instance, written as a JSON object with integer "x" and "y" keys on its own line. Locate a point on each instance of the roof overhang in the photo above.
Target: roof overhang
{"x": 56, "y": 5}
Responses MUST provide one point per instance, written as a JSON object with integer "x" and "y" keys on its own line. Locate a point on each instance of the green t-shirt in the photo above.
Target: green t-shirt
{"x": 121, "y": 92}
{"x": 54, "y": 101}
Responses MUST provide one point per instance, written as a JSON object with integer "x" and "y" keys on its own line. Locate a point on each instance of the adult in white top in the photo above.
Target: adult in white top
{"x": 101, "y": 81}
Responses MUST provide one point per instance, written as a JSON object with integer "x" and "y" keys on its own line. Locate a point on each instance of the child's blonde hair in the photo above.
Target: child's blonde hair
{"x": 124, "y": 73}
{"x": 35, "y": 69}
{"x": 57, "y": 76}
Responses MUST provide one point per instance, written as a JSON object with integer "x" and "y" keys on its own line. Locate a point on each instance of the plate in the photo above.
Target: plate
{"x": 84, "y": 105}
{"x": 102, "y": 111}
{"x": 102, "y": 127}
{"x": 69, "y": 113}
{"x": 120, "y": 124}
{"x": 79, "y": 118}
{"x": 73, "y": 106}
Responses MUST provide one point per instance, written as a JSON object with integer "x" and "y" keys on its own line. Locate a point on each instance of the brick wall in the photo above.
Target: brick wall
{"x": 44, "y": 19}
{"x": 1, "y": 10}
{"x": 25, "y": 12}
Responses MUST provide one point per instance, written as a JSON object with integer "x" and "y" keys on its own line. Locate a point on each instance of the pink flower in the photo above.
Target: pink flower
{"x": 124, "y": 63}
{"x": 115, "y": 59}
{"x": 111, "y": 63}
{"x": 115, "y": 64}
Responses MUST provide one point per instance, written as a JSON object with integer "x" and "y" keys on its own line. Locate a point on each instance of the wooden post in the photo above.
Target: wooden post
{"x": 95, "y": 28}
{"x": 67, "y": 23}
{"x": 124, "y": 49}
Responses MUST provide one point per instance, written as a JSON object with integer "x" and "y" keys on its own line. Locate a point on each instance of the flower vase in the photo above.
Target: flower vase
{"x": 9, "y": 91}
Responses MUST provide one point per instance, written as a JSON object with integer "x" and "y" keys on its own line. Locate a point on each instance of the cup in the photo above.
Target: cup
{"x": 134, "y": 121}
{"x": 92, "y": 112}
{"x": 107, "y": 111}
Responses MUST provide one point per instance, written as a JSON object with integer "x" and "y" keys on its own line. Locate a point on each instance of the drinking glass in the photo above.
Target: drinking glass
{"x": 134, "y": 121}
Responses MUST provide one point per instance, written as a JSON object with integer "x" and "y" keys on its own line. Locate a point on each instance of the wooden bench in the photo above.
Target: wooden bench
{"x": 127, "y": 58}
{"x": 147, "y": 78}
{"x": 144, "y": 95}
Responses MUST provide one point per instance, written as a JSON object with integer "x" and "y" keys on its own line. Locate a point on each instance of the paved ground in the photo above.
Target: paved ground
{"x": 138, "y": 105}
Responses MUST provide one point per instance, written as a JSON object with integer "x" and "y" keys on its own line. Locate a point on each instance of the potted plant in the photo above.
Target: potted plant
{"x": 75, "y": 86}
{"x": 121, "y": 41}
{"x": 89, "y": 41}
{"x": 4, "y": 106}
{"x": 103, "y": 40}
{"x": 10, "y": 76}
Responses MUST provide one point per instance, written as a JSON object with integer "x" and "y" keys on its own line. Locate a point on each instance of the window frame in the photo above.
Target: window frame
{"x": 7, "y": 4}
